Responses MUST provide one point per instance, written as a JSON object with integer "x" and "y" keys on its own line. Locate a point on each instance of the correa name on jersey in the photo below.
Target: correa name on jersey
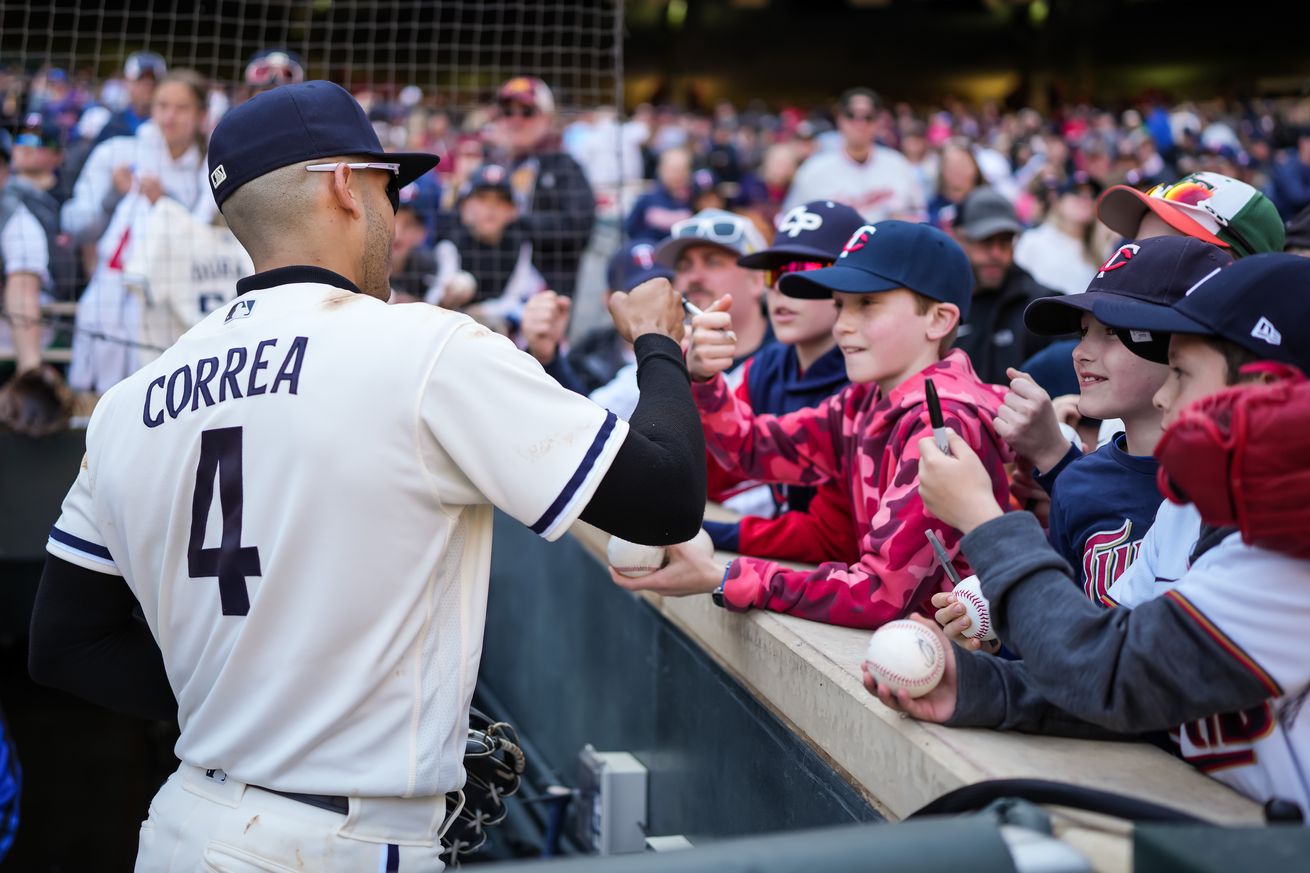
{"x": 201, "y": 382}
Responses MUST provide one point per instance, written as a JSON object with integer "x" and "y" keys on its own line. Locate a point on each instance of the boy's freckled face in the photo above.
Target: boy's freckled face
{"x": 1196, "y": 370}
{"x": 1112, "y": 381}
{"x": 881, "y": 335}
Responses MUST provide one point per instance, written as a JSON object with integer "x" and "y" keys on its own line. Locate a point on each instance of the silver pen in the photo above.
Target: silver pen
{"x": 944, "y": 558}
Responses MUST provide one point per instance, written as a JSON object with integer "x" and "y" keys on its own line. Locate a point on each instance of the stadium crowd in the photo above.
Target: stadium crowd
{"x": 1081, "y": 289}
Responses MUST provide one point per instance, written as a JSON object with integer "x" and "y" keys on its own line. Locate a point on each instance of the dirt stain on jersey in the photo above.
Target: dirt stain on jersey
{"x": 250, "y": 824}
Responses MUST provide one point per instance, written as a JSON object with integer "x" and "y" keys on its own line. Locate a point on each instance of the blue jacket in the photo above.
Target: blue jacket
{"x": 637, "y": 227}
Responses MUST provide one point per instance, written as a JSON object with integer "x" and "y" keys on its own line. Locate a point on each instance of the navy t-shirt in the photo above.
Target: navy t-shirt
{"x": 1102, "y": 504}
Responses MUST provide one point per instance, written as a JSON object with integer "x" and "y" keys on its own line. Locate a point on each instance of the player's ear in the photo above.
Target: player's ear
{"x": 343, "y": 195}
{"x": 942, "y": 319}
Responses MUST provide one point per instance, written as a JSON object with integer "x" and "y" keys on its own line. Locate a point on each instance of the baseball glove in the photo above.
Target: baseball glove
{"x": 35, "y": 402}
{"x": 1242, "y": 457}
{"x": 493, "y": 764}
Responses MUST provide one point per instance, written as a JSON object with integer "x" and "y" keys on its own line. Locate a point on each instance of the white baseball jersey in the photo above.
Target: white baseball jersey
{"x": 299, "y": 493}
{"x": 1256, "y": 605}
{"x": 1163, "y": 557}
{"x": 183, "y": 269}
{"x": 884, "y": 186}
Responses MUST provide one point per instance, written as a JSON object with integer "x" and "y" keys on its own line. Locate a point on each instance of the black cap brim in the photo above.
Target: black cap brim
{"x": 412, "y": 164}
{"x": 818, "y": 284}
{"x": 1129, "y": 316}
{"x": 779, "y": 255}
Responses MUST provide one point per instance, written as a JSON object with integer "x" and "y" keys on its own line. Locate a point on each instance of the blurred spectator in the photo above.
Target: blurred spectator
{"x": 957, "y": 175}
{"x": 1290, "y": 190}
{"x": 142, "y": 71}
{"x": 702, "y": 252}
{"x": 556, "y": 206}
{"x": 123, "y": 178}
{"x": 487, "y": 243}
{"x": 24, "y": 263}
{"x": 36, "y": 179}
{"x": 1063, "y": 252}
{"x": 877, "y": 181}
{"x": 413, "y": 263}
{"x": 1298, "y": 234}
{"x": 993, "y": 334}
{"x": 670, "y": 201}
{"x": 610, "y": 154}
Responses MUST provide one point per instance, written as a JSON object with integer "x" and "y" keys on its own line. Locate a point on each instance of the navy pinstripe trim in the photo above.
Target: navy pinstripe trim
{"x": 579, "y": 476}
{"x": 80, "y": 544}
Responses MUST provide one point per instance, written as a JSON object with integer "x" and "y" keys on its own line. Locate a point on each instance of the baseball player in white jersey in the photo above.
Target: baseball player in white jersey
{"x": 183, "y": 269}
{"x": 298, "y": 494}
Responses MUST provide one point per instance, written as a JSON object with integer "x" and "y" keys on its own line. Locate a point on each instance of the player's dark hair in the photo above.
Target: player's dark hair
{"x": 1235, "y": 357}
{"x": 199, "y": 86}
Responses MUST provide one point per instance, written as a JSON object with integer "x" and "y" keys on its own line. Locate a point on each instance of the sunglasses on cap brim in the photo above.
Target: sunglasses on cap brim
{"x": 393, "y": 184}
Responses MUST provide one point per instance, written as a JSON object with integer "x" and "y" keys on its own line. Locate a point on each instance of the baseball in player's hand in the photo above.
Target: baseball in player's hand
{"x": 689, "y": 571}
{"x": 1027, "y": 421}
{"x": 713, "y": 344}
{"x": 937, "y": 705}
{"x": 954, "y": 620}
{"x": 545, "y": 319}
{"x": 651, "y": 307}
{"x": 955, "y": 488}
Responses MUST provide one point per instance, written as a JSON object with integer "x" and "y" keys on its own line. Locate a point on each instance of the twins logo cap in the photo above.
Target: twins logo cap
{"x": 889, "y": 255}
{"x": 1152, "y": 273}
{"x": 1261, "y": 303}
{"x": 294, "y": 123}
{"x": 815, "y": 231}
{"x": 1211, "y": 207}
{"x": 634, "y": 264}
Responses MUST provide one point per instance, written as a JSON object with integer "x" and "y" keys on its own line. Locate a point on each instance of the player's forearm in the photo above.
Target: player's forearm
{"x": 23, "y": 307}
{"x": 87, "y": 640}
{"x": 1145, "y": 669}
{"x": 654, "y": 491}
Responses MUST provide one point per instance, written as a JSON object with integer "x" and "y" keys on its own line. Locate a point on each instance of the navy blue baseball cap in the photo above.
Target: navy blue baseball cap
{"x": 815, "y": 231}
{"x": 634, "y": 264}
{"x": 1154, "y": 272}
{"x": 889, "y": 255}
{"x": 488, "y": 177}
{"x": 1261, "y": 303}
{"x": 294, "y": 123}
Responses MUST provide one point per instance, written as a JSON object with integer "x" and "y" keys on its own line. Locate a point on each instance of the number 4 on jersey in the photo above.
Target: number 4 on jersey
{"x": 231, "y": 562}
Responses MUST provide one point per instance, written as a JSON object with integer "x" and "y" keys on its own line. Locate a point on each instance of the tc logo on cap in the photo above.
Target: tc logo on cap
{"x": 218, "y": 177}
{"x": 644, "y": 256}
{"x": 798, "y": 220}
{"x": 1119, "y": 259}
{"x": 858, "y": 240}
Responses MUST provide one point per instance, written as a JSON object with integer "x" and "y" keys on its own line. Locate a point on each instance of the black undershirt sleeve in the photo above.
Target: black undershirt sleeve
{"x": 654, "y": 491}
{"x": 87, "y": 639}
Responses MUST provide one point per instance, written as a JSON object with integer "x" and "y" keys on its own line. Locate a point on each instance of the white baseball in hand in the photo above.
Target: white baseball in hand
{"x": 634, "y": 560}
{"x": 905, "y": 654}
{"x": 969, "y": 593}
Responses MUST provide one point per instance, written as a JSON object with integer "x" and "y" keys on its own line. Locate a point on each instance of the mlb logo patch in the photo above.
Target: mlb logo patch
{"x": 240, "y": 309}
{"x": 218, "y": 177}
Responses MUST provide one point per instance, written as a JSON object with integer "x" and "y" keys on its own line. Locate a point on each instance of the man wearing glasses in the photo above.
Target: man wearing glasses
{"x": 876, "y": 181}
{"x": 297, "y": 497}
{"x": 557, "y": 208}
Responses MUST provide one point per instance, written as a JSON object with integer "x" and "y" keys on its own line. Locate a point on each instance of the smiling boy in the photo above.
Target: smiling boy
{"x": 900, "y": 290}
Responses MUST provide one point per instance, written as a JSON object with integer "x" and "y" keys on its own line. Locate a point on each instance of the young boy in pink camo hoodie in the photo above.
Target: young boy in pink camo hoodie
{"x": 901, "y": 290}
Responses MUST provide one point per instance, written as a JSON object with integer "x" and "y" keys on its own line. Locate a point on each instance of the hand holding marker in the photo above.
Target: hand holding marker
{"x": 939, "y": 431}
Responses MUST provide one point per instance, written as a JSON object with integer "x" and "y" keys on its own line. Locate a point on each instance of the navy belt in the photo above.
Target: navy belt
{"x": 329, "y": 802}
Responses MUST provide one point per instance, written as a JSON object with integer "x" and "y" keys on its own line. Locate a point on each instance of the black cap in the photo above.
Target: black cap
{"x": 984, "y": 213}
{"x": 296, "y": 123}
{"x": 634, "y": 264}
{"x": 1261, "y": 303}
{"x": 814, "y": 231}
{"x": 1154, "y": 272}
{"x": 488, "y": 177}
{"x": 1298, "y": 231}
{"x": 890, "y": 255}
